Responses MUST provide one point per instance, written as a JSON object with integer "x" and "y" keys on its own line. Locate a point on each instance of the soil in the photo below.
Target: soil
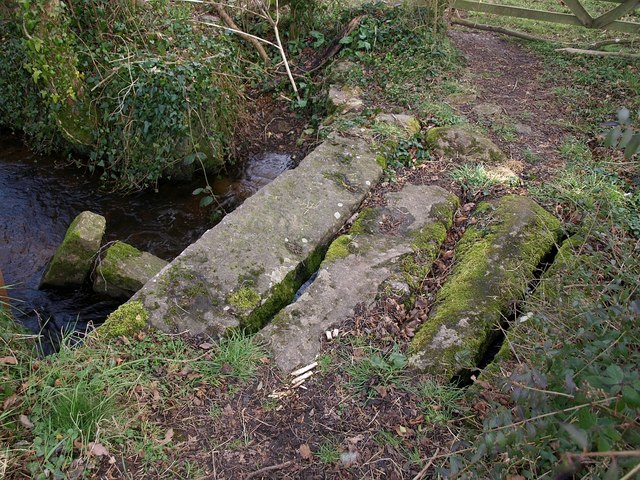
{"x": 239, "y": 431}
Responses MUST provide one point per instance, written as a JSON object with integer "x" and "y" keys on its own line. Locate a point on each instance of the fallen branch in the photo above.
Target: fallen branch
{"x": 613, "y": 41}
{"x": 231, "y": 24}
{"x": 600, "y": 53}
{"x": 323, "y": 57}
{"x": 270, "y": 468}
{"x": 505, "y": 31}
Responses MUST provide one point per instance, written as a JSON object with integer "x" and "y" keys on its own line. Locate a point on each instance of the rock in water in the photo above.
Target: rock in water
{"x": 124, "y": 270}
{"x": 73, "y": 259}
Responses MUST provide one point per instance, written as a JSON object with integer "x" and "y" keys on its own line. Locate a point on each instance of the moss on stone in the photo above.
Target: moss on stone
{"x": 365, "y": 223}
{"x": 339, "y": 248}
{"x": 108, "y": 268}
{"x": 245, "y": 299}
{"x": 126, "y": 320}
{"x": 494, "y": 266}
{"x": 73, "y": 259}
{"x": 283, "y": 293}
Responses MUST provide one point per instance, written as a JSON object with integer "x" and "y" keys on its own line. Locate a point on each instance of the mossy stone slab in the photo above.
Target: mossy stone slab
{"x": 458, "y": 142}
{"x": 73, "y": 260}
{"x": 124, "y": 270}
{"x": 244, "y": 270}
{"x": 496, "y": 260}
{"x": 358, "y": 266}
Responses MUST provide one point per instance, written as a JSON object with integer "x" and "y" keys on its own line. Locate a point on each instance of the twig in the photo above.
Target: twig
{"x": 631, "y": 474}
{"x": 268, "y": 469}
{"x": 423, "y": 472}
{"x": 505, "y": 31}
{"x": 627, "y": 453}
{"x": 600, "y": 53}
{"x": 231, "y": 24}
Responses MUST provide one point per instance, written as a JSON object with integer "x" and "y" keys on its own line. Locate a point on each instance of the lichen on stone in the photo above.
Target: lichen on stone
{"x": 128, "y": 319}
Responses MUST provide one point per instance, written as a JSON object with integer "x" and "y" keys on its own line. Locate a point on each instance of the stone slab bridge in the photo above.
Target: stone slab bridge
{"x": 247, "y": 272}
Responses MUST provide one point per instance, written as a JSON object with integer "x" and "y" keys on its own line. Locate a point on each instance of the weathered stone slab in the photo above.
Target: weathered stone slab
{"x": 496, "y": 259}
{"x": 463, "y": 143}
{"x": 359, "y": 265}
{"x": 73, "y": 259}
{"x": 344, "y": 99}
{"x": 124, "y": 270}
{"x": 244, "y": 270}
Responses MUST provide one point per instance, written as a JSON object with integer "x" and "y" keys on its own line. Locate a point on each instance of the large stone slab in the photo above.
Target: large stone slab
{"x": 245, "y": 269}
{"x": 358, "y": 265}
{"x": 73, "y": 259}
{"x": 496, "y": 260}
{"x": 124, "y": 270}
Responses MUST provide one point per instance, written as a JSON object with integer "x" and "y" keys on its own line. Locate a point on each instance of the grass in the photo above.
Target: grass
{"x": 105, "y": 394}
{"x": 376, "y": 370}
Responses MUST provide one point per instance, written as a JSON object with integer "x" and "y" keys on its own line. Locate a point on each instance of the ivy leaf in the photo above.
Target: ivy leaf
{"x": 189, "y": 159}
{"x": 346, "y": 40}
{"x": 633, "y": 146}
{"x": 206, "y": 201}
{"x": 198, "y": 191}
{"x": 623, "y": 115}
{"x": 613, "y": 137}
{"x": 631, "y": 396}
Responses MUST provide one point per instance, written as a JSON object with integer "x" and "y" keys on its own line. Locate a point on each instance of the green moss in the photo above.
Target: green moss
{"x": 339, "y": 248}
{"x": 244, "y": 299}
{"x": 365, "y": 223}
{"x": 116, "y": 254}
{"x": 494, "y": 267}
{"x": 283, "y": 293}
{"x": 126, "y": 320}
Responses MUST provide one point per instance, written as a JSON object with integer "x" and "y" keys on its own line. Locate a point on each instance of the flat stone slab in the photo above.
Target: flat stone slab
{"x": 359, "y": 265}
{"x": 245, "y": 269}
{"x": 124, "y": 270}
{"x": 73, "y": 259}
{"x": 496, "y": 259}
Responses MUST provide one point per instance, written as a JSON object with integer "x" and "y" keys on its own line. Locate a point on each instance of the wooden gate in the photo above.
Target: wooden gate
{"x": 579, "y": 16}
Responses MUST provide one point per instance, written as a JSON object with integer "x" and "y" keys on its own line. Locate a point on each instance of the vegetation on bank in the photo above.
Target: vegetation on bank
{"x": 561, "y": 399}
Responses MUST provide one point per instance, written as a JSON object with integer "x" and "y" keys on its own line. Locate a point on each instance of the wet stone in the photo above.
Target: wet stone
{"x": 73, "y": 259}
{"x": 124, "y": 270}
{"x": 358, "y": 266}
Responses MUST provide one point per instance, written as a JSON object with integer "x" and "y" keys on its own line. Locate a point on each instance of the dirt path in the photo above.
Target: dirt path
{"x": 505, "y": 75}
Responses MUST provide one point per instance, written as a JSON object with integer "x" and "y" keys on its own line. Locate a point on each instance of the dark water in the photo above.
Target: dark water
{"x": 39, "y": 198}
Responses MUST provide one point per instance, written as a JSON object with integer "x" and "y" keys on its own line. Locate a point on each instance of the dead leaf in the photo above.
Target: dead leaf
{"x": 26, "y": 423}
{"x": 112, "y": 461}
{"x": 355, "y": 440}
{"x": 305, "y": 451}
{"x": 167, "y": 437}
{"x": 206, "y": 346}
{"x": 8, "y": 360}
{"x": 97, "y": 449}
{"x": 197, "y": 402}
{"x": 10, "y": 401}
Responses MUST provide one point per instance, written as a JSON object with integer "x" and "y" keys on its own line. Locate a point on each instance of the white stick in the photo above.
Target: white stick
{"x": 302, "y": 370}
{"x": 301, "y": 377}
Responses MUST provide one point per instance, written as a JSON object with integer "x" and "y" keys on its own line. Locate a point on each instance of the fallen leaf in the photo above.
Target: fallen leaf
{"x": 26, "y": 423}
{"x": 97, "y": 449}
{"x": 206, "y": 346}
{"x": 167, "y": 437}
{"x": 8, "y": 360}
{"x": 112, "y": 461}
{"x": 10, "y": 401}
{"x": 305, "y": 451}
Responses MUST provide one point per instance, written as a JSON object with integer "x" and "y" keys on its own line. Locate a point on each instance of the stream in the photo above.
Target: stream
{"x": 39, "y": 197}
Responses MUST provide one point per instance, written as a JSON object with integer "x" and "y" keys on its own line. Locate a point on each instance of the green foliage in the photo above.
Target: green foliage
{"x": 236, "y": 356}
{"x": 376, "y": 370}
{"x": 578, "y": 390}
{"x": 624, "y": 136}
{"x": 138, "y": 86}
